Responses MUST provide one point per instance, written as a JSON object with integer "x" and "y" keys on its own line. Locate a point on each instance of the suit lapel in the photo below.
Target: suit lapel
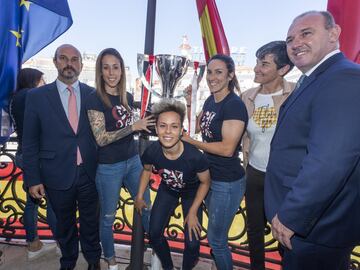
{"x": 82, "y": 116}
{"x": 306, "y": 84}
{"x": 294, "y": 95}
{"x": 56, "y": 104}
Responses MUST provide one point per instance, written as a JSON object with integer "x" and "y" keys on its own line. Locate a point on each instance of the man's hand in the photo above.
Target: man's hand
{"x": 37, "y": 191}
{"x": 281, "y": 233}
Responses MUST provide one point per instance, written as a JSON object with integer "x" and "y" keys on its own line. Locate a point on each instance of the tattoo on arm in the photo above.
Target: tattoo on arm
{"x": 103, "y": 137}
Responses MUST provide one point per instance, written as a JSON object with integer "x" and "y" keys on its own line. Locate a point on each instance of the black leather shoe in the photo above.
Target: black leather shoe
{"x": 94, "y": 266}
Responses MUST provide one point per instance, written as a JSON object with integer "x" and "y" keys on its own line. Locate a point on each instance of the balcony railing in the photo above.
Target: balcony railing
{"x": 12, "y": 205}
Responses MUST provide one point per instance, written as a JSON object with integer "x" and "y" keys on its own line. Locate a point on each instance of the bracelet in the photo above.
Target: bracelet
{"x": 188, "y": 105}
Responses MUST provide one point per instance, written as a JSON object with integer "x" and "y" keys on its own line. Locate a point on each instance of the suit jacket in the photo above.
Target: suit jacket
{"x": 313, "y": 175}
{"x": 49, "y": 142}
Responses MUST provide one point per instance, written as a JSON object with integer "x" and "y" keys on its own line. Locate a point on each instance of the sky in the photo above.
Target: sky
{"x": 99, "y": 24}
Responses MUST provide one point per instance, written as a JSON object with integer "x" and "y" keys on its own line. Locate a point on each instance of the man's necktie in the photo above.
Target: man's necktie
{"x": 299, "y": 82}
{"x": 73, "y": 118}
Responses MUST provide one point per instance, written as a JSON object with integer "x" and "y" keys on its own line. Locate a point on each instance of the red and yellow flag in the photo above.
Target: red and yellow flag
{"x": 347, "y": 15}
{"x": 212, "y": 30}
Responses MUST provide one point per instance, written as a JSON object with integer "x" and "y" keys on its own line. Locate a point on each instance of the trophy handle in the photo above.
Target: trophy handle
{"x": 201, "y": 68}
{"x": 141, "y": 58}
{"x": 198, "y": 66}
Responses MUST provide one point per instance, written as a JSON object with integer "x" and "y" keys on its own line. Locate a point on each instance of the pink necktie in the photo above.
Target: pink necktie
{"x": 73, "y": 118}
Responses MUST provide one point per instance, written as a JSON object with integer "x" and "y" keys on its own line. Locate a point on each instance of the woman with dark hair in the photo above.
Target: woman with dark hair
{"x": 110, "y": 111}
{"x": 27, "y": 79}
{"x": 184, "y": 173}
{"x": 222, "y": 122}
{"x": 263, "y": 104}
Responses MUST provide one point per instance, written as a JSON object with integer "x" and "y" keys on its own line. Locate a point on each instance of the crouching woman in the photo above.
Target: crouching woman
{"x": 184, "y": 173}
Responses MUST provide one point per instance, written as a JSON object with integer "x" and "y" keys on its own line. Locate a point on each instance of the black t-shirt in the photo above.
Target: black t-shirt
{"x": 116, "y": 118}
{"x": 180, "y": 174}
{"x": 225, "y": 169}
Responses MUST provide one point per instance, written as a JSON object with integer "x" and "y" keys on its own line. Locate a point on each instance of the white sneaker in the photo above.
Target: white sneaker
{"x": 113, "y": 267}
{"x": 44, "y": 249}
{"x": 58, "y": 250}
{"x": 155, "y": 262}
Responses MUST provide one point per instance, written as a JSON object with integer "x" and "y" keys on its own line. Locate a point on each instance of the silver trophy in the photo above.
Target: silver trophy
{"x": 170, "y": 69}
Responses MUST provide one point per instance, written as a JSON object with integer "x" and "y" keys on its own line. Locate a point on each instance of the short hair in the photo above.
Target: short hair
{"x": 328, "y": 17}
{"x": 169, "y": 105}
{"x": 28, "y": 78}
{"x": 230, "y": 65}
{"x": 278, "y": 50}
{"x": 66, "y": 45}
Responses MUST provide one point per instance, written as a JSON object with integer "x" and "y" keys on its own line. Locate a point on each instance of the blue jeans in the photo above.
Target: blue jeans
{"x": 31, "y": 211}
{"x": 109, "y": 180}
{"x": 31, "y": 218}
{"x": 223, "y": 201}
{"x": 165, "y": 203}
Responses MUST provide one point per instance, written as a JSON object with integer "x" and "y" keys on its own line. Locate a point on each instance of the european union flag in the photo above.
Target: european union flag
{"x": 26, "y": 27}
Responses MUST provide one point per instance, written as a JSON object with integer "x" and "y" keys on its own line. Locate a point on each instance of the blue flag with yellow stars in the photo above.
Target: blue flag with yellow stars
{"x": 26, "y": 27}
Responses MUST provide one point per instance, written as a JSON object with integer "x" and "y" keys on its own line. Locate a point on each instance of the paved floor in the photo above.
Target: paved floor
{"x": 14, "y": 257}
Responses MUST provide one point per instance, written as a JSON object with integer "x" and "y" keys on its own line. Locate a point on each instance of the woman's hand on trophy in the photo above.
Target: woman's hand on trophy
{"x": 187, "y": 94}
{"x": 144, "y": 123}
{"x": 140, "y": 204}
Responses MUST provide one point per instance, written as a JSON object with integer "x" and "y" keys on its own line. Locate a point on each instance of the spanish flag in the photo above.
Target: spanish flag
{"x": 212, "y": 30}
{"x": 347, "y": 15}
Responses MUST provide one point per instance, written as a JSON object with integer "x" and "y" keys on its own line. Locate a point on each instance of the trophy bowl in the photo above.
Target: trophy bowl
{"x": 170, "y": 69}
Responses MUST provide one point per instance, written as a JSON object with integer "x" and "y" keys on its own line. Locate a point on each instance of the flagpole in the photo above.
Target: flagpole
{"x": 137, "y": 239}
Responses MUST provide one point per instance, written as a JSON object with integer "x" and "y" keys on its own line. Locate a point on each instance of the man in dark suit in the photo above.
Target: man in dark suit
{"x": 312, "y": 185}
{"x": 59, "y": 155}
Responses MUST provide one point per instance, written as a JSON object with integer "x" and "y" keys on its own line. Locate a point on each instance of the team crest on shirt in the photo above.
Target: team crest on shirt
{"x": 122, "y": 116}
{"x": 173, "y": 179}
{"x": 205, "y": 123}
